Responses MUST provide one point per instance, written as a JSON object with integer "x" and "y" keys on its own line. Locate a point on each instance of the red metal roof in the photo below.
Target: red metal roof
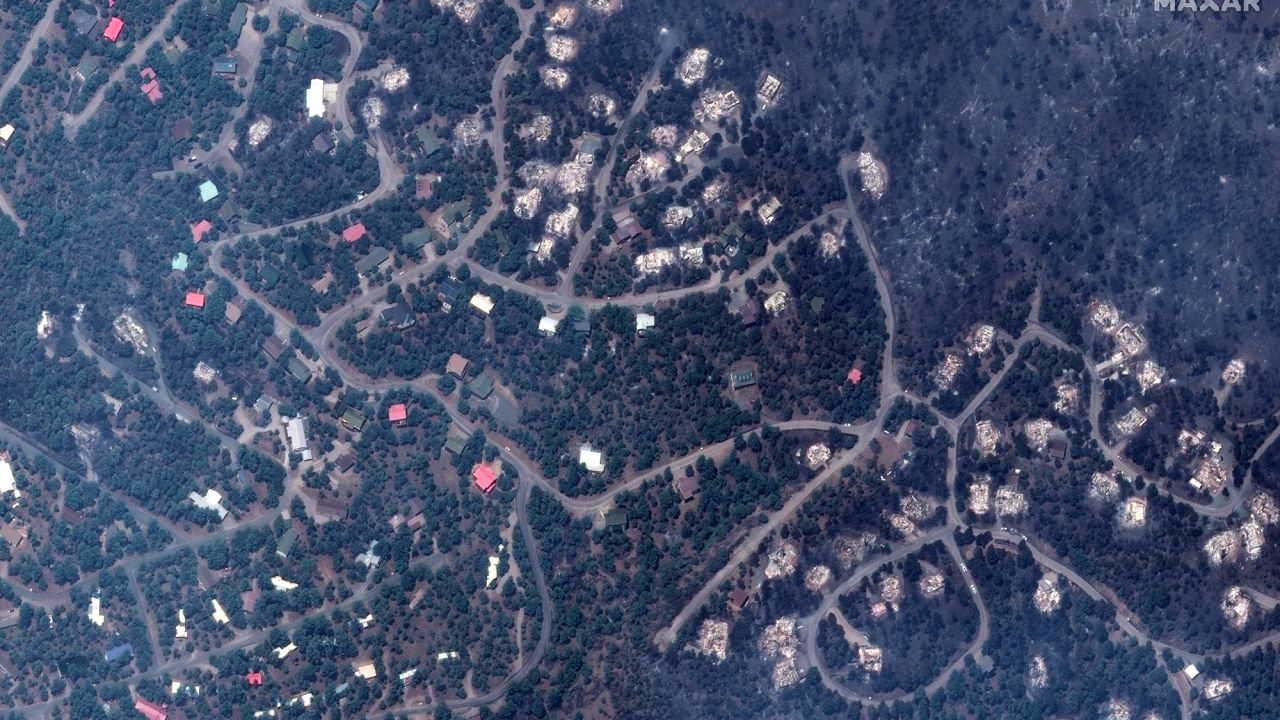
{"x": 398, "y": 413}
{"x": 484, "y": 477}
{"x": 148, "y": 73}
{"x": 253, "y": 678}
{"x": 195, "y": 299}
{"x": 114, "y": 26}
{"x": 855, "y": 376}
{"x": 152, "y": 91}
{"x": 353, "y": 233}
{"x": 151, "y": 710}
{"x": 198, "y": 229}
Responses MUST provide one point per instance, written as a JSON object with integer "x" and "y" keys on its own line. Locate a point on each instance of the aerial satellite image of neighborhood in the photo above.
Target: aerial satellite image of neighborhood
{"x": 639, "y": 359}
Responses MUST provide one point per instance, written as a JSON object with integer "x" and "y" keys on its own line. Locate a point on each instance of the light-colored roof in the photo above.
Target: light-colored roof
{"x": 591, "y": 459}
{"x": 296, "y": 431}
{"x": 644, "y": 321}
{"x": 315, "y": 98}
{"x": 282, "y": 585}
{"x": 179, "y": 262}
{"x": 7, "y": 484}
{"x": 548, "y": 325}
{"x": 366, "y": 670}
{"x": 483, "y": 303}
{"x": 219, "y": 615}
{"x": 6, "y": 133}
{"x": 208, "y": 191}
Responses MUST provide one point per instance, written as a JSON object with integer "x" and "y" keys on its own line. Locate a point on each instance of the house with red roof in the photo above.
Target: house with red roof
{"x": 855, "y": 376}
{"x": 195, "y": 299}
{"x": 148, "y": 73}
{"x": 398, "y": 413}
{"x": 150, "y": 710}
{"x": 484, "y": 477}
{"x": 114, "y": 26}
{"x": 198, "y": 229}
{"x": 152, "y": 90}
{"x": 253, "y": 678}
{"x": 353, "y": 233}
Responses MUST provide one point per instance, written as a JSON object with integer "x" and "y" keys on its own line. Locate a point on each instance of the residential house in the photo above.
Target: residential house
{"x": 481, "y": 387}
{"x": 112, "y": 32}
{"x": 208, "y": 191}
{"x": 353, "y": 232}
{"x": 83, "y": 21}
{"x": 591, "y": 459}
{"x": 298, "y": 370}
{"x": 398, "y": 316}
{"x": 482, "y": 304}
{"x": 194, "y": 299}
{"x": 285, "y": 544}
{"x": 457, "y": 366}
{"x": 686, "y": 487}
{"x": 225, "y": 67}
{"x": 353, "y": 420}
{"x": 740, "y": 379}
{"x": 397, "y": 414}
{"x": 413, "y": 243}
{"x": 627, "y": 230}
{"x": 150, "y": 710}
{"x": 330, "y": 509}
{"x": 234, "y": 309}
{"x": 484, "y": 477}
{"x": 295, "y": 430}
{"x": 615, "y": 519}
{"x": 123, "y": 650}
{"x": 377, "y": 257}
{"x": 273, "y": 347}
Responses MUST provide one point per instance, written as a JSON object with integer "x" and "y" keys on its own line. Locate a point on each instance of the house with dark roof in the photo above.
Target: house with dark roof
{"x": 83, "y": 21}
{"x": 298, "y": 370}
{"x": 448, "y": 292}
{"x": 627, "y": 229}
{"x": 353, "y": 420}
{"x": 330, "y": 509}
{"x": 686, "y": 487}
{"x": 414, "y": 242}
{"x": 123, "y": 650}
{"x": 398, "y": 316}
{"x": 238, "y": 18}
{"x": 457, "y": 366}
{"x": 750, "y": 313}
{"x": 273, "y": 347}
{"x": 285, "y": 544}
{"x": 615, "y": 518}
{"x": 376, "y": 258}
{"x": 225, "y": 66}
{"x": 481, "y": 387}
{"x": 345, "y": 462}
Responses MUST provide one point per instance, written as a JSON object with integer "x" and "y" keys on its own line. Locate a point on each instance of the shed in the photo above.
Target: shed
{"x": 742, "y": 379}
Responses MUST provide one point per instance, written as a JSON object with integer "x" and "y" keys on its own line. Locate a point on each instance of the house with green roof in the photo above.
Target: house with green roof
{"x": 208, "y": 191}
{"x": 374, "y": 260}
{"x": 298, "y": 370}
{"x": 414, "y": 242}
{"x": 427, "y": 136}
{"x": 481, "y": 387}
{"x": 353, "y": 419}
{"x": 238, "y": 18}
{"x": 270, "y": 276}
{"x": 179, "y": 262}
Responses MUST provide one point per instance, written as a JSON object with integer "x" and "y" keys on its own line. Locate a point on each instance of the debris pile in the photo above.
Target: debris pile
{"x": 652, "y": 262}
{"x": 1233, "y": 373}
{"x": 980, "y": 497}
{"x": 1037, "y": 433}
{"x": 1129, "y": 423}
{"x": 873, "y": 174}
{"x": 779, "y": 640}
{"x": 676, "y": 216}
{"x": 560, "y": 224}
{"x": 1047, "y": 597}
{"x": 1223, "y": 547}
{"x": 693, "y": 67}
{"x": 891, "y": 590}
{"x": 372, "y": 111}
{"x": 1104, "y": 316}
{"x": 776, "y": 303}
{"x": 396, "y": 79}
{"x": 713, "y": 639}
{"x": 601, "y": 106}
{"x": 1115, "y": 710}
{"x": 1068, "y": 399}
{"x": 817, "y": 455}
{"x": 782, "y": 561}
{"x": 539, "y": 128}
{"x": 1037, "y": 673}
{"x": 664, "y": 135}
{"x": 468, "y": 131}
{"x": 986, "y": 437}
{"x": 1103, "y": 486}
{"x": 712, "y": 105}
{"x": 1149, "y": 374}
{"x": 572, "y": 177}
{"x": 556, "y": 78}
{"x": 1010, "y": 502}
{"x": 1236, "y": 607}
{"x": 829, "y": 244}
{"x": 769, "y": 210}
{"x": 769, "y": 91}
{"x": 563, "y": 16}
{"x": 648, "y": 166}
{"x": 981, "y": 339}
{"x": 130, "y": 332}
{"x": 947, "y": 370}
{"x": 204, "y": 373}
{"x": 817, "y": 578}
{"x": 870, "y": 658}
{"x": 259, "y": 130}
{"x": 1133, "y": 513}
{"x": 915, "y": 508}
{"x": 932, "y": 585}
{"x": 1210, "y": 475}
{"x": 850, "y": 550}
{"x": 527, "y": 203}
{"x": 562, "y": 48}
{"x": 1215, "y": 689}
{"x": 904, "y": 526}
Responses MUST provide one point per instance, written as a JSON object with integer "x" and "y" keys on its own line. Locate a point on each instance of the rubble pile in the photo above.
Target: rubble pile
{"x": 1037, "y": 433}
{"x": 713, "y": 639}
{"x": 1129, "y": 423}
{"x": 1233, "y": 373}
{"x": 829, "y": 244}
{"x": 259, "y": 130}
{"x": 1104, "y": 316}
{"x": 693, "y": 67}
{"x": 947, "y": 370}
{"x": 932, "y": 585}
{"x": 468, "y": 131}
{"x": 572, "y": 177}
{"x": 1133, "y": 513}
{"x": 560, "y": 224}
{"x": 980, "y": 497}
{"x": 1236, "y": 607}
{"x": 652, "y": 262}
{"x": 817, "y": 578}
{"x": 1037, "y": 673}
{"x": 981, "y": 339}
{"x": 396, "y": 79}
{"x": 562, "y": 48}
{"x": 873, "y": 175}
{"x": 556, "y": 78}
{"x": 664, "y": 135}
{"x": 601, "y": 106}
{"x": 1047, "y": 596}
{"x": 1149, "y": 374}
{"x": 850, "y": 550}
{"x": 676, "y": 216}
{"x": 817, "y": 455}
{"x": 1068, "y": 399}
{"x": 1103, "y": 486}
{"x": 782, "y": 561}
{"x": 1010, "y": 502}
{"x": 986, "y": 437}
{"x": 712, "y": 105}
{"x": 776, "y": 303}
{"x": 526, "y": 204}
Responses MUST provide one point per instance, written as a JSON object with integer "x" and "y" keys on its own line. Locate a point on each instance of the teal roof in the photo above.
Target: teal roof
{"x": 417, "y": 239}
{"x": 208, "y": 191}
{"x": 179, "y": 262}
